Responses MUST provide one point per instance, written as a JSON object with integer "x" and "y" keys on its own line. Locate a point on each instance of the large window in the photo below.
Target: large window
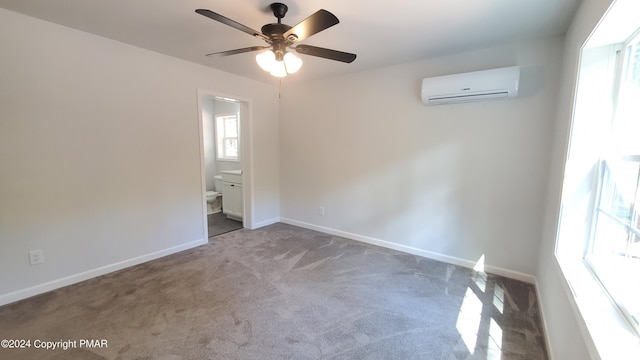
{"x": 613, "y": 250}
{"x": 227, "y": 137}
{"x": 598, "y": 238}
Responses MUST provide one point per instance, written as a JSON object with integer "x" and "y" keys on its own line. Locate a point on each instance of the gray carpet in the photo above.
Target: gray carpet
{"x": 283, "y": 292}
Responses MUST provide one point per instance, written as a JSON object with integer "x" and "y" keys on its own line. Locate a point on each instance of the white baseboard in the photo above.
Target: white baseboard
{"x": 86, "y": 275}
{"x": 415, "y": 251}
{"x": 58, "y": 283}
{"x": 543, "y": 320}
{"x": 264, "y": 223}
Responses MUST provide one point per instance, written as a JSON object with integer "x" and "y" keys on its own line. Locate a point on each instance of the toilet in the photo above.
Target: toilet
{"x": 214, "y": 197}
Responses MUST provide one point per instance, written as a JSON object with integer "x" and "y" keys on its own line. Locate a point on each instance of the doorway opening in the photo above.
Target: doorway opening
{"x": 221, "y": 153}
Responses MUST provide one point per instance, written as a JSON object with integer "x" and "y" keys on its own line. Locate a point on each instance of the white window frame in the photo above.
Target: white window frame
{"x": 621, "y": 68}
{"x": 606, "y": 331}
{"x": 220, "y": 139}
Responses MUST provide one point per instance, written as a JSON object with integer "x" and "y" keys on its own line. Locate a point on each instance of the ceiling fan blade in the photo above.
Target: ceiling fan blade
{"x": 320, "y": 20}
{"x": 325, "y": 53}
{"x": 238, "y": 51}
{"x": 234, "y": 24}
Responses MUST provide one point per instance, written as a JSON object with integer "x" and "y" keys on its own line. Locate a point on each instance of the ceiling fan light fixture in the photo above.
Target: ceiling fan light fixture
{"x": 278, "y": 69}
{"x": 266, "y": 60}
{"x": 292, "y": 63}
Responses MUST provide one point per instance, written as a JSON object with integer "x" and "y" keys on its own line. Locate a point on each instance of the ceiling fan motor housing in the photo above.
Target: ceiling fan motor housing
{"x": 274, "y": 32}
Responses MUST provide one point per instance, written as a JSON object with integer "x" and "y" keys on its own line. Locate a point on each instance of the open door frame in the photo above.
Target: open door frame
{"x": 245, "y": 155}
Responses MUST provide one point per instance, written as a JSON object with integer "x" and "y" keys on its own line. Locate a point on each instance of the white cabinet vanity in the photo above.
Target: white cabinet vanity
{"x": 232, "y": 203}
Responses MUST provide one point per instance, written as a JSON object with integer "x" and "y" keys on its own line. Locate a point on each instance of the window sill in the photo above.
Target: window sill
{"x": 605, "y": 330}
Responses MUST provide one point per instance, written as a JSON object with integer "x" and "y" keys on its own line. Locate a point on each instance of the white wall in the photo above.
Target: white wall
{"x": 454, "y": 182}
{"x": 563, "y": 328}
{"x": 99, "y": 153}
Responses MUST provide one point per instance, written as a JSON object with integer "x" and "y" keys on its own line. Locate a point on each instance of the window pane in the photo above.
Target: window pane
{"x": 627, "y": 124}
{"x": 227, "y": 137}
{"x": 615, "y": 249}
{"x": 619, "y": 189}
{"x": 615, "y": 246}
{"x": 610, "y": 238}
{"x": 231, "y": 127}
{"x": 634, "y": 68}
{"x": 231, "y": 147}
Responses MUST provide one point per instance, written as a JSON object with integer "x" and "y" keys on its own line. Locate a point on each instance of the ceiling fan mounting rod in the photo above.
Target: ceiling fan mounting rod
{"x": 279, "y": 10}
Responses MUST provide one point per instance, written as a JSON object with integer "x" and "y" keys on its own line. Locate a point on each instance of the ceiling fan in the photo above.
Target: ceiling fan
{"x": 280, "y": 37}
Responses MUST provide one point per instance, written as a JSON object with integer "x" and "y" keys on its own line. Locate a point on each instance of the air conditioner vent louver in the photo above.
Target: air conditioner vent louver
{"x": 473, "y": 86}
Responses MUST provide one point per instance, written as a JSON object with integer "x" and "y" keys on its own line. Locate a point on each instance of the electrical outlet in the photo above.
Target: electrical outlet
{"x": 36, "y": 257}
{"x": 321, "y": 210}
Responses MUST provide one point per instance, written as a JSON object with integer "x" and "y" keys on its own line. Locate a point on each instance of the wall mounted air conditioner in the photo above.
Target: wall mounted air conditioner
{"x": 471, "y": 86}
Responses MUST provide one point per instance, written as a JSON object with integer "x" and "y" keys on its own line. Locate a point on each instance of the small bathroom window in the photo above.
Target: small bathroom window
{"x": 227, "y": 137}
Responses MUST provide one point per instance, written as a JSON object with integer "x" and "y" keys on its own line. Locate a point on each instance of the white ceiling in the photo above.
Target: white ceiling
{"x": 380, "y": 34}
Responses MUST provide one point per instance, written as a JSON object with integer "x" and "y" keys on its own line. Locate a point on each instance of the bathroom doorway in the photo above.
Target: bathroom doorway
{"x": 221, "y": 119}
